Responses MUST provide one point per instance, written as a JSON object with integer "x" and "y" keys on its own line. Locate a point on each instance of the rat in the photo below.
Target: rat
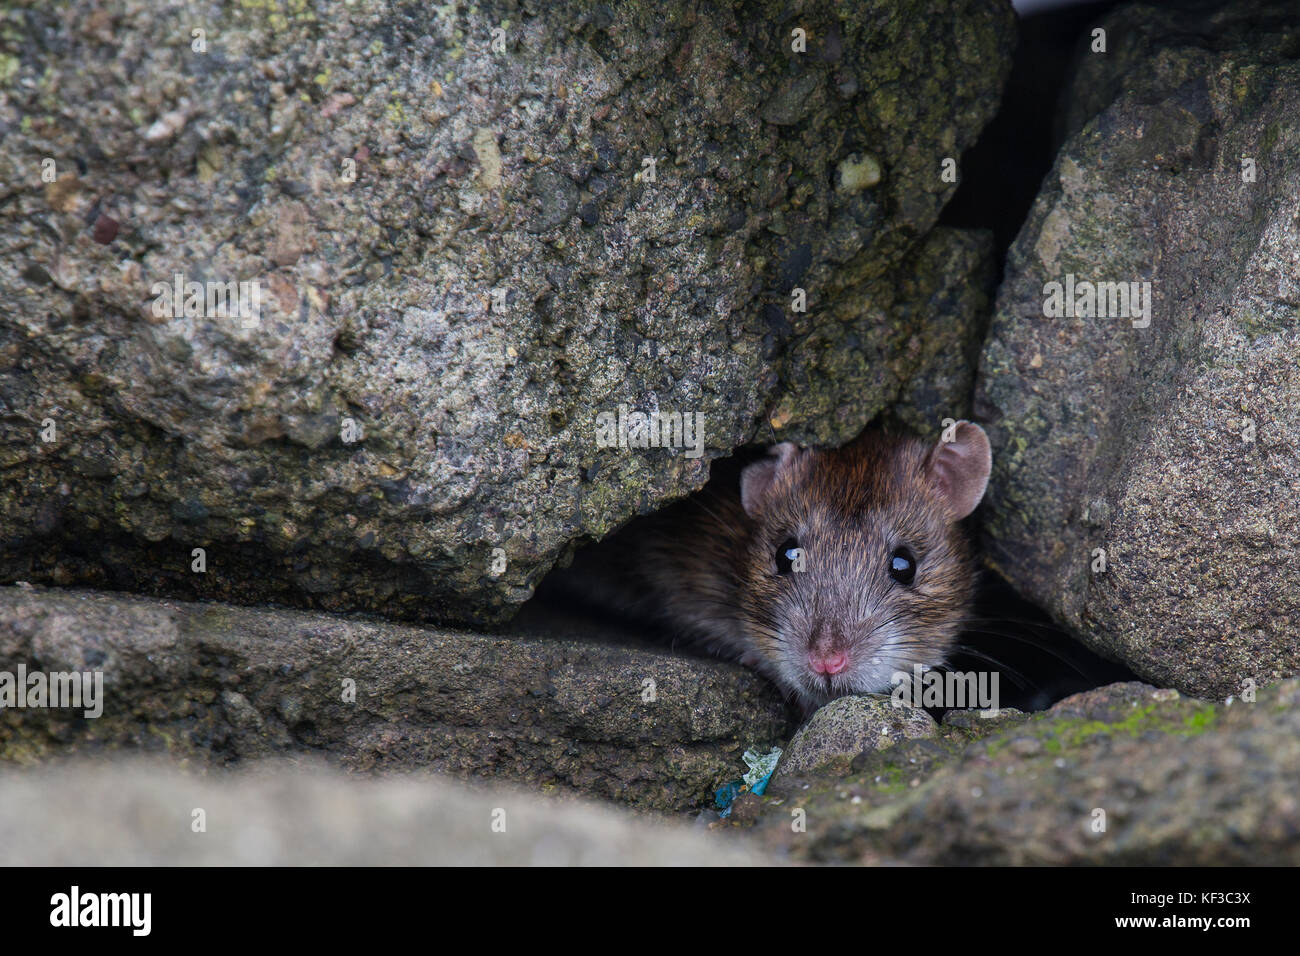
{"x": 827, "y": 571}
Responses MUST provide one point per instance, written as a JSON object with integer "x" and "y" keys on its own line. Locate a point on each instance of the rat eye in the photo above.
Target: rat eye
{"x": 902, "y": 566}
{"x": 786, "y": 555}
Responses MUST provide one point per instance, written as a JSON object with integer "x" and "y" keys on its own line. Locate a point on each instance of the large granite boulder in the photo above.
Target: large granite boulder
{"x": 468, "y": 231}
{"x": 1125, "y": 774}
{"x": 1146, "y": 480}
{"x": 215, "y": 685}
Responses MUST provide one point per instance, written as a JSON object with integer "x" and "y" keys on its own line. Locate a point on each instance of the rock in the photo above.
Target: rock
{"x": 951, "y": 274}
{"x": 556, "y": 197}
{"x": 211, "y": 684}
{"x": 794, "y": 100}
{"x": 845, "y": 728}
{"x": 285, "y": 813}
{"x": 973, "y": 724}
{"x": 460, "y": 258}
{"x": 746, "y": 809}
{"x": 857, "y": 173}
{"x": 1139, "y": 32}
{"x": 1123, "y": 775}
{"x": 1171, "y": 450}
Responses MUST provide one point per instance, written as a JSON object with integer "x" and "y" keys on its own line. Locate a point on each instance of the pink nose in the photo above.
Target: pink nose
{"x": 829, "y": 664}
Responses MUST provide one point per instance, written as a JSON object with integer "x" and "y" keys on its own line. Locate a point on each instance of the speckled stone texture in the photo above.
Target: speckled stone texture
{"x": 848, "y": 727}
{"x": 1125, "y": 774}
{"x": 462, "y": 260}
{"x": 217, "y": 686}
{"x": 1174, "y": 448}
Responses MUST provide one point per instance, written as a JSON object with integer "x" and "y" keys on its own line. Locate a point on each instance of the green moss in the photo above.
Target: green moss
{"x": 1059, "y": 734}
{"x": 890, "y": 780}
{"x": 1075, "y": 732}
{"x": 8, "y": 68}
{"x": 997, "y": 745}
{"x": 1271, "y": 133}
{"x": 1141, "y": 720}
{"x": 1201, "y": 719}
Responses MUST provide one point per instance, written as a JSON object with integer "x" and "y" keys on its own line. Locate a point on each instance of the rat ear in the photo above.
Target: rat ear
{"x": 757, "y": 479}
{"x": 960, "y": 469}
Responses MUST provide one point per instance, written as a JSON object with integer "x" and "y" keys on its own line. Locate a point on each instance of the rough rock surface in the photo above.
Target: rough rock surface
{"x": 276, "y": 813}
{"x": 846, "y": 728}
{"x": 216, "y": 685}
{"x": 1125, "y": 774}
{"x": 1173, "y": 448}
{"x": 462, "y": 259}
{"x": 219, "y": 689}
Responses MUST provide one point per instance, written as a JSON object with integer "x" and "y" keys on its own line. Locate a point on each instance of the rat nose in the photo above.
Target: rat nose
{"x": 829, "y": 663}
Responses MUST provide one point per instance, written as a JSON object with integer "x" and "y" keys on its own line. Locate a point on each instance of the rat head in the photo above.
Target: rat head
{"x": 856, "y": 566}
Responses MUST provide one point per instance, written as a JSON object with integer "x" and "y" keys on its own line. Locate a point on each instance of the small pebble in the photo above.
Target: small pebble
{"x": 105, "y": 229}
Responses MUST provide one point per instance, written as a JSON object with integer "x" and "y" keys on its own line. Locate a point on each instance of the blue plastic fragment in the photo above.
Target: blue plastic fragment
{"x": 725, "y": 794}
{"x": 760, "y": 772}
{"x": 760, "y": 769}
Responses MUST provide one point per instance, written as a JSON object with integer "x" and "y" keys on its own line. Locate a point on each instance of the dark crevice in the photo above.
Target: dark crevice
{"x": 1001, "y": 174}
{"x": 1039, "y": 662}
